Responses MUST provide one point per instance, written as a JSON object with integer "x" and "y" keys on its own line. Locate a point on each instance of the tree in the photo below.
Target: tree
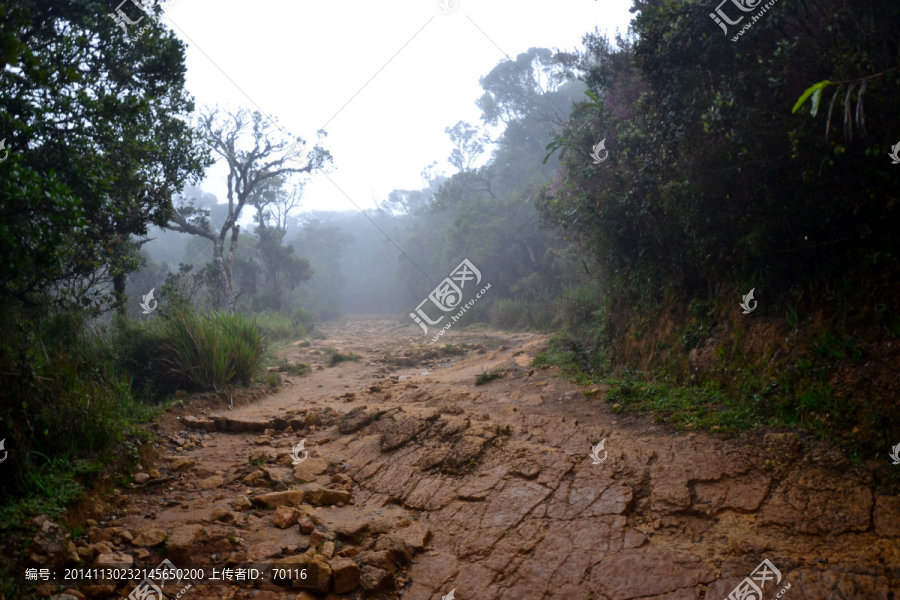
{"x": 281, "y": 271}
{"x": 468, "y": 141}
{"x": 269, "y": 157}
{"x": 517, "y": 87}
{"x": 98, "y": 145}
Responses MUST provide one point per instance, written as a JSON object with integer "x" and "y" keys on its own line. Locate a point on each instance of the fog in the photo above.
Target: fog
{"x": 552, "y": 300}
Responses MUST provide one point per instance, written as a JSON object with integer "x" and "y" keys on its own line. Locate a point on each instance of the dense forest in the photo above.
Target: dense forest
{"x": 625, "y": 198}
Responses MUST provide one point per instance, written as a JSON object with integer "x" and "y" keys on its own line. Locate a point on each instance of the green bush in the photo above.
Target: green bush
{"x": 64, "y": 404}
{"x": 211, "y": 351}
{"x": 279, "y": 326}
{"x": 509, "y": 314}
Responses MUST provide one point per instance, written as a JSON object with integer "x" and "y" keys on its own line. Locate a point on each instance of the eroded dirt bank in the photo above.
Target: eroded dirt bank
{"x": 418, "y": 482}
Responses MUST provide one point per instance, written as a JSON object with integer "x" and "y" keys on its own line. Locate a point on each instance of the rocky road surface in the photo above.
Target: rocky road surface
{"x": 418, "y": 484}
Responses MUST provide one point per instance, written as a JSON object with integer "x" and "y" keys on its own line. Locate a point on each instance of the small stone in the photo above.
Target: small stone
{"x": 278, "y": 474}
{"x": 119, "y": 559}
{"x": 181, "y": 464}
{"x": 252, "y": 478}
{"x": 374, "y": 579}
{"x": 240, "y": 503}
{"x": 101, "y": 548}
{"x": 342, "y": 480}
{"x": 323, "y": 576}
{"x": 141, "y": 553}
{"x": 345, "y": 575}
{"x": 85, "y": 553}
{"x": 320, "y": 496}
{"x": 182, "y": 542}
{"x": 327, "y": 549}
{"x": 400, "y": 552}
{"x": 150, "y": 537}
{"x": 259, "y": 455}
{"x": 223, "y": 516}
{"x": 284, "y": 517}
{"x": 310, "y": 468}
{"x": 415, "y": 536}
{"x": 141, "y": 477}
{"x": 317, "y": 537}
{"x": 211, "y": 482}
{"x": 276, "y": 499}
{"x": 306, "y": 525}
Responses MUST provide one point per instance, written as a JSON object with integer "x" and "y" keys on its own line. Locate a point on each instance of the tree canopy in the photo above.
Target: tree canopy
{"x": 95, "y": 124}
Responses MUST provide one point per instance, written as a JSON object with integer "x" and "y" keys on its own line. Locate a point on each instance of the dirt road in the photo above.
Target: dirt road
{"x": 418, "y": 483}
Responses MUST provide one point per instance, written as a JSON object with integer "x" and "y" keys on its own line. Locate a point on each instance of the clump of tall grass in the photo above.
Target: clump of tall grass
{"x": 211, "y": 351}
{"x": 280, "y": 326}
{"x": 509, "y": 314}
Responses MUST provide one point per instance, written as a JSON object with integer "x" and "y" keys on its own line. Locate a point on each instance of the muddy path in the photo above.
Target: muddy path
{"x": 418, "y": 483}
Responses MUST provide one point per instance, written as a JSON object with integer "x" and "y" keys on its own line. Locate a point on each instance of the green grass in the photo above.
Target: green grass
{"x": 300, "y": 369}
{"x": 485, "y": 377}
{"x": 336, "y": 358}
{"x": 683, "y": 407}
{"x": 279, "y": 326}
{"x": 212, "y": 351}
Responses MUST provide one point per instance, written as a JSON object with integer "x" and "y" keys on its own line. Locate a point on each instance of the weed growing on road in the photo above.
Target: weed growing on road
{"x": 336, "y": 358}
{"x": 485, "y": 377}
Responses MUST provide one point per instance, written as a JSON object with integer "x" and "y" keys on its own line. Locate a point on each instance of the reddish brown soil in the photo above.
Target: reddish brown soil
{"x": 492, "y": 489}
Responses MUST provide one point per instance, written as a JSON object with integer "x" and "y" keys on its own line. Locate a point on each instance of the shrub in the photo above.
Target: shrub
{"x": 64, "y": 404}
{"x": 211, "y": 351}
{"x": 509, "y": 314}
{"x": 279, "y": 326}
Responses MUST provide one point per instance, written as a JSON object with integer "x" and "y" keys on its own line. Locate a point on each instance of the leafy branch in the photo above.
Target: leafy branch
{"x": 852, "y": 115}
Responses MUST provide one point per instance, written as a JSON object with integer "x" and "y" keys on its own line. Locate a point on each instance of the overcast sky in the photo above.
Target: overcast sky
{"x": 382, "y": 78}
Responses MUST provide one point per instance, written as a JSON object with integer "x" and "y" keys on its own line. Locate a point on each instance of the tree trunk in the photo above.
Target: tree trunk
{"x": 119, "y": 289}
{"x": 219, "y": 260}
{"x": 231, "y": 298}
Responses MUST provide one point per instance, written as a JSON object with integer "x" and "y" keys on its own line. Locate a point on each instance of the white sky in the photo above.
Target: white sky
{"x": 308, "y": 63}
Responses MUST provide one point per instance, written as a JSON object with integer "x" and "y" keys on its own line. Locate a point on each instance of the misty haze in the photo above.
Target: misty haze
{"x": 446, "y": 300}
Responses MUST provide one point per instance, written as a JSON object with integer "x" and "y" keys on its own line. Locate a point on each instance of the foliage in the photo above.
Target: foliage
{"x": 335, "y": 357}
{"x": 713, "y": 187}
{"x": 279, "y": 326}
{"x": 65, "y": 402}
{"x": 259, "y": 158}
{"x": 212, "y": 351}
{"x": 488, "y": 376}
{"x": 94, "y": 122}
